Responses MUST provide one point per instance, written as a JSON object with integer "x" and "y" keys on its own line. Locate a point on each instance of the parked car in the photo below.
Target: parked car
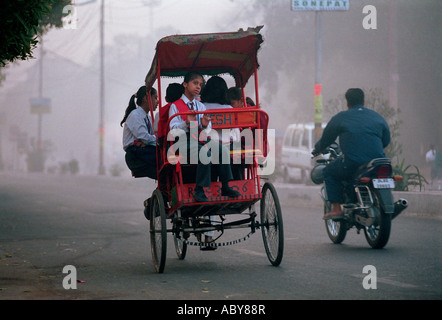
{"x": 297, "y": 146}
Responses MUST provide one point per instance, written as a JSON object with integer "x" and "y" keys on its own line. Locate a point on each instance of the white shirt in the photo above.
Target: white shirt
{"x": 138, "y": 126}
{"x": 430, "y": 156}
{"x": 233, "y": 134}
{"x": 178, "y": 122}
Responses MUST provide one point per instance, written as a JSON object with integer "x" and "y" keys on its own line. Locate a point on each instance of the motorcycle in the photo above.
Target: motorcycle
{"x": 368, "y": 204}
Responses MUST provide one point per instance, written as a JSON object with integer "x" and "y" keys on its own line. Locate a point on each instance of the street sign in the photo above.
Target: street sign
{"x": 320, "y": 5}
{"x": 40, "y": 105}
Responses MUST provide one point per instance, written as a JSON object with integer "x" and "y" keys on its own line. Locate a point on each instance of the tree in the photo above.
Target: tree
{"x": 22, "y": 21}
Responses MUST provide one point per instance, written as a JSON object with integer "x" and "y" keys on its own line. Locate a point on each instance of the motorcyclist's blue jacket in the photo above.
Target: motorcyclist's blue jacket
{"x": 363, "y": 134}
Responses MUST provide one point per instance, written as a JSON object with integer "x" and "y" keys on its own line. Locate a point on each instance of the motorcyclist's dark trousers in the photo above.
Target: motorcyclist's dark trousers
{"x": 334, "y": 174}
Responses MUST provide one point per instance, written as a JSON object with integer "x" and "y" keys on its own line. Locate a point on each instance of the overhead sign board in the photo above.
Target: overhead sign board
{"x": 320, "y": 5}
{"x": 40, "y": 105}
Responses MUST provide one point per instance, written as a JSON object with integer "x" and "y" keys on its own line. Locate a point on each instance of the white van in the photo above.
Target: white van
{"x": 297, "y": 146}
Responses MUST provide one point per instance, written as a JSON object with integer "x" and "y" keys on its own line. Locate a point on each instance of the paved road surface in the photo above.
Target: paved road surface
{"x": 95, "y": 224}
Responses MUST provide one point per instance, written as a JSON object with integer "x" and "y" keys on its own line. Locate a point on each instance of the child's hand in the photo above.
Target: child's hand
{"x": 190, "y": 118}
{"x": 205, "y": 120}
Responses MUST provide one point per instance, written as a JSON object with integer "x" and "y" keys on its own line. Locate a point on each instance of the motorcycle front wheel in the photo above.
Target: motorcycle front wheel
{"x": 336, "y": 230}
{"x": 378, "y": 234}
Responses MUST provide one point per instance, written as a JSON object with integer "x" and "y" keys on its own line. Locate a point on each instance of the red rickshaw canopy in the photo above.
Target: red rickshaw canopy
{"x": 234, "y": 53}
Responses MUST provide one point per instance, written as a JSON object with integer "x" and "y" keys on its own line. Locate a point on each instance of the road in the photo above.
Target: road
{"x": 96, "y": 225}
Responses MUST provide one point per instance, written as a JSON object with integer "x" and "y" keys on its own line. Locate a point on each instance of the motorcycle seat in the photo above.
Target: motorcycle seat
{"x": 375, "y": 162}
{"x": 369, "y": 166}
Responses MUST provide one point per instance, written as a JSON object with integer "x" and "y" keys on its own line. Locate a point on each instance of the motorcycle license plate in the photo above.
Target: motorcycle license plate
{"x": 383, "y": 183}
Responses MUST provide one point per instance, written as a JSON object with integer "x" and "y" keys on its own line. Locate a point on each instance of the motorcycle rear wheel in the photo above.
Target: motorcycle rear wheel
{"x": 378, "y": 234}
{"x": 336, "y": 230}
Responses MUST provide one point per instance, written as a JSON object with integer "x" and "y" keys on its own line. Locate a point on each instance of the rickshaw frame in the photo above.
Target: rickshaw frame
{"x": 234, "y": 53}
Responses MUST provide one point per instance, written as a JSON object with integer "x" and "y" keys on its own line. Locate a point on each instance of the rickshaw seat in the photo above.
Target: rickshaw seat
{"x": 244, "y": 120}
{"x": 227, "y": 120}
{"x": 232, "y": 119}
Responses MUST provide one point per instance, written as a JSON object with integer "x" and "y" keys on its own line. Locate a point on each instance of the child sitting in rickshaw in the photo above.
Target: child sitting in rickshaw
{"x": 187, "y": 123}
{"x": 139, "y": 139}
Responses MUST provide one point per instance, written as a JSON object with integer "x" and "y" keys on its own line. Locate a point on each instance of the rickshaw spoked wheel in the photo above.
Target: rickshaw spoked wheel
{"x": 271, "y": 224}
{"x": 178, "y": 238}
{"x": 158, "y": 231}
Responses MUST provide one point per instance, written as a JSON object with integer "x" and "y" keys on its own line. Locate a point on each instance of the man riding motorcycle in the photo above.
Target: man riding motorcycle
{"x": 363, "y": 134}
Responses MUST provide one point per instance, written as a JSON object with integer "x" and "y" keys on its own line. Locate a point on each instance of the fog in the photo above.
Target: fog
{"x": 404, "y": 46}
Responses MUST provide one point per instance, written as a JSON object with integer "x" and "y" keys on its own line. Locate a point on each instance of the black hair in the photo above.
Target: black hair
{"x": 141, "y": 93}
{"x": 354, "y": 96}
{"x": 234, "y": 93}
{"x": 250, "y": 101}
{"x": 174, "y": 91}
{"x": 189, "y": 76}
{"x": 215, "y": 91}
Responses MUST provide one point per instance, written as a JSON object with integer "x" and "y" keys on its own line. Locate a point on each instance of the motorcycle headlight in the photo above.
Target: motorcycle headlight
{"x": 316, "y": 174}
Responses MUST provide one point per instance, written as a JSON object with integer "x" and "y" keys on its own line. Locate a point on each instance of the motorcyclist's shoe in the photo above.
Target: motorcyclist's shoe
{"x": 335, "y": 213}
{"x": 333, "y": 216}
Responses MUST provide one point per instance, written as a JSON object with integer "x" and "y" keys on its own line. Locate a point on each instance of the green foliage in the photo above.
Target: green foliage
{"x": 22, "y": 21}
{"x": 410, "y": 178}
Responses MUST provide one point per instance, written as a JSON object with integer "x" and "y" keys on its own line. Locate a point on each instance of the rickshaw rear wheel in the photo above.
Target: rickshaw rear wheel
{"x": 158, "y": 231}
{"x": 271, "y": 224}
{"x": 179, "y": 238}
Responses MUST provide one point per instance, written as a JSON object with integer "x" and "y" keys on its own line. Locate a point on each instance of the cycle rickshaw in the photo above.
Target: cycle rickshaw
{"x": 233, "y": 53}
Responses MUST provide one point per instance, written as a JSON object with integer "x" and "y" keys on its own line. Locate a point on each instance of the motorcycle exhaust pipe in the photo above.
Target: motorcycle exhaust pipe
{"x": 399, "y": 206}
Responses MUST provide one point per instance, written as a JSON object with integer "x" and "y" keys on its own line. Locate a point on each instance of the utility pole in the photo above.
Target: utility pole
{"x": 40, "y": 92}
{"x": 317, "y": 115}
{"x": 101, "y": 169}
{"x": 151, "y": 4}
{"x": 317, "y": 7}
{"x": 39, "y": 106}
{"x": 392, "y": 44}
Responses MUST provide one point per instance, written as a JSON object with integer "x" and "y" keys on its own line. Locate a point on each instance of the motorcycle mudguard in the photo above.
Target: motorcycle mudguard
{"x": 386, "y": 199}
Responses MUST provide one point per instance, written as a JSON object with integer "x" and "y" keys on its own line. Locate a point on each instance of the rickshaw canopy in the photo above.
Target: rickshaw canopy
{"x": 233, "y": 53}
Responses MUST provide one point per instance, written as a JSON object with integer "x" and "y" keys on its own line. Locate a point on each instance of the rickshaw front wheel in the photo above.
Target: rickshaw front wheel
{"x": 158, "y": 231}
{"x": 271, "y": 224}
